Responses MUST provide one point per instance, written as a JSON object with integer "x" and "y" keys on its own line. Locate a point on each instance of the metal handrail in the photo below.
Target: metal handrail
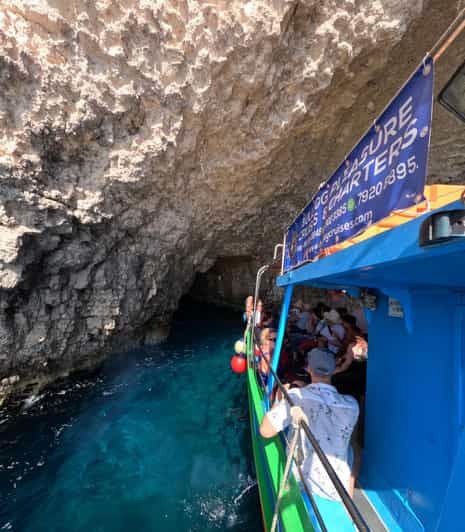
{"x": 260, "y": 273}
{"x": 275, "y": 252}
{"x": 342, "y": 492}
{"x": 309, "y": 493}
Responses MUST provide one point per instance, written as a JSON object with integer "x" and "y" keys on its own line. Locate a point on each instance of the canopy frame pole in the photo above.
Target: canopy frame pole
{"x": 448, "y": 36}
{"x": 258, "y": 281}
{"x": 280, "y": 335}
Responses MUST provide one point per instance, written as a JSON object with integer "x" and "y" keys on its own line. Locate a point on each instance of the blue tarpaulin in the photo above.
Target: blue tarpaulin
{"x": 386, "y": 171}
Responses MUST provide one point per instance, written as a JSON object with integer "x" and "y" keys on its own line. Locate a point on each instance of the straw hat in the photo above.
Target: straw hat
{"x": 332, "y": 316}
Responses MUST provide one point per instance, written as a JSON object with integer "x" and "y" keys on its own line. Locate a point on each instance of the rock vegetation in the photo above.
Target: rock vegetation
{"x": 140, "y": 140}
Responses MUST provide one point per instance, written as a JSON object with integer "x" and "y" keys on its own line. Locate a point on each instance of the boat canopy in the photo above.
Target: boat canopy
{"x": 411, "y": 281}
{"x": 391, "y": 253}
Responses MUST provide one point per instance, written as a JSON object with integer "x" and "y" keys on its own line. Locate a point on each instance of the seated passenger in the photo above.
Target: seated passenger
{"x": 339, "y": 298}
{"x": 276, "y": 315}
{"x": 351, "y": 332}
{"x": 319, "y": 311}
{"x": 248, "y": 309}
{"x": 332, "y": 330}
{"x": 332, "y": 418}
{"x": 314, "y": 326}
{"x": 267, "y": 341}
{"x": 259, "y": 313}
{"x": 350, "y": 375}
{"x": 294, "y": 314}
{"x": 313, "y": 321}
{"x": 302, "y": 324}
{"x": 267, "y": 319}
{"x": 297, "y": 308}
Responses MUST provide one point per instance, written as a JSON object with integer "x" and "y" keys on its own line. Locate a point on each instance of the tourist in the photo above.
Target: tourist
{"x": 302, "y": 324}
{"x": 267, "y": 319}
{"x": 333, "y": 330}
{"x": 351, "y": 369}
{"x": 332, "y": 418}
{"x": 299, "y": 331}
{"x": 351, "y": 331}
{"x": 350, "y": 378}
{"x": 259, "y": 313}
{"x": 267, "y": 343}
{"x": 297, "y": 308}
{"x": 316, "y": 321}
{"x": 294, "y": 314}
{"x": 340, "y": 299}
{"x": 318, "y": 312}
{"x": 248, "y": 309}
{"x": 313, "y": 322}
{"x": 276, "y": 313}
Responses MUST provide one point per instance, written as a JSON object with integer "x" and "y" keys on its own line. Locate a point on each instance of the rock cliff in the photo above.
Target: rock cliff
{"x": 141, "y": 140}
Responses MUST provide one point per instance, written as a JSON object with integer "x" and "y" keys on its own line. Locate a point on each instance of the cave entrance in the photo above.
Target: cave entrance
{"x": 230, "y": 280}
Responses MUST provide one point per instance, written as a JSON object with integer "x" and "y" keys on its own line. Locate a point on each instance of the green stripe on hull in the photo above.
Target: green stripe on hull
{"x": 270, "y": 460}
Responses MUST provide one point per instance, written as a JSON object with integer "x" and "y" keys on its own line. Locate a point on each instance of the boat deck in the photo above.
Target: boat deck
{"x": 369, "y": 514}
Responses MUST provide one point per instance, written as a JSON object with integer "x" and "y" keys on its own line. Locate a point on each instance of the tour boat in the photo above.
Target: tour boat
{"x": 407, "y": 269}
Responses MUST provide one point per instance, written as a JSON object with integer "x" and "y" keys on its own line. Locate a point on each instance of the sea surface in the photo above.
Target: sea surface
{"x": 156, "y": 440}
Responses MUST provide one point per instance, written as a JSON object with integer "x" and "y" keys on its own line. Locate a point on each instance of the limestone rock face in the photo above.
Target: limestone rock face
{"x": 141, "y": 140}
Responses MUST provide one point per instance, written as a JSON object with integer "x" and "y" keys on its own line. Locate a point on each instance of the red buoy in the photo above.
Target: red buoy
{"x": 238, "y": 364}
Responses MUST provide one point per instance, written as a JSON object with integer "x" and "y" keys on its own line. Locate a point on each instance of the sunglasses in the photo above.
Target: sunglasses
{"x": 273, "y": 338}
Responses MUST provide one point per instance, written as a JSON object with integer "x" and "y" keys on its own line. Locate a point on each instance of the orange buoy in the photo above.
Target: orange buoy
{"x": 238, "y": 364}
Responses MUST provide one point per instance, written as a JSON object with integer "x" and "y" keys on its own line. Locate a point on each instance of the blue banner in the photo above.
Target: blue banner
{"x": 386, "y": 171}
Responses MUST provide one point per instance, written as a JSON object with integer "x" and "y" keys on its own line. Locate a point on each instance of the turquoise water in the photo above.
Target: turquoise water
{"x": 156, "y": 440}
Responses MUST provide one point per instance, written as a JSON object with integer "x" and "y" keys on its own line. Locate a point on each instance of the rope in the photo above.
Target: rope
{"x": 308, "y": 491}
{"x": 448, "y": 36}
{"x": 297, "y": 417}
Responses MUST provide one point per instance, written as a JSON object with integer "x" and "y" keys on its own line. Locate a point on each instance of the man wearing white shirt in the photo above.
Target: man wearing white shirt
{"x": 332, "y": 418}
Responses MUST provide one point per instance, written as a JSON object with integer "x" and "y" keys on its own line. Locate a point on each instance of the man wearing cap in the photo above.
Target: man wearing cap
{"x": 331, "y": 418}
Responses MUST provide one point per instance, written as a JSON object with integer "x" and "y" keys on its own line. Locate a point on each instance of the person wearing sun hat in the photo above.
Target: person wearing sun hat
{"x": 332, "y": 418}
{"x": 333, "y": 330}
{"x": 296, "y": 309}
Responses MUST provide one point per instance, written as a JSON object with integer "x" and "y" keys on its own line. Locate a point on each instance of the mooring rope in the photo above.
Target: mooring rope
{"x": 449, "y": 36}
{"x": 297, "y": 417}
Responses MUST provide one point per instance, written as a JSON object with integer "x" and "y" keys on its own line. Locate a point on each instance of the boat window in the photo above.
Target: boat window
{"x": 442, "y": 227}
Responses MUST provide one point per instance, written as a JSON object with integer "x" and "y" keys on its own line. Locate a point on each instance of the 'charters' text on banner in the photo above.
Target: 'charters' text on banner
{"x": 386, "y": 171}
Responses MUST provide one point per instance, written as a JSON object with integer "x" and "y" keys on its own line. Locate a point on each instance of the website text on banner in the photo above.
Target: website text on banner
{"x": 384, "y": 172}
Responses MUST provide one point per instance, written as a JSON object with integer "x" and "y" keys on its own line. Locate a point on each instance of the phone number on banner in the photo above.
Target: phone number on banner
{"x": 401, "y": 171}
